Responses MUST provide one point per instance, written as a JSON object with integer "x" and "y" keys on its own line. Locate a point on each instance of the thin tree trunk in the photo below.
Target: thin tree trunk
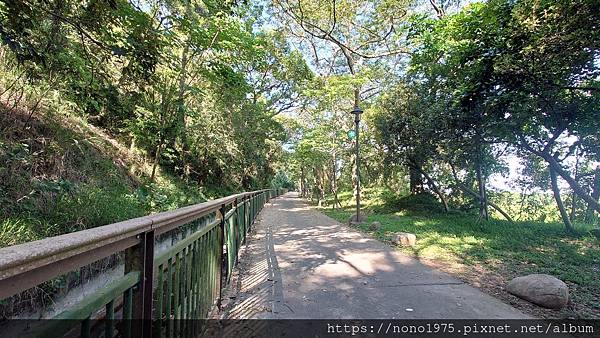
{"x": 17, "y": 101}
{"x": 555, "y": 165}
{"x": 573, "y": 194}
{"x": 317, "y": 185}
{"x": 433, "y": 186}
{"x": 559, "y": 203}
{"x": 156, "y": 159}
{"x": 336, "y": 201}
{"x": 302, "y": 182}
{"x": 483, "y": 204}
{"x": 12, "y": 84}
{"x": 476, "y": 195}
{"x": 321, "y": 186}
{"x": 589, "y": 212}
{"x": 491, "y": 204}
{"x": 181, "y": 120}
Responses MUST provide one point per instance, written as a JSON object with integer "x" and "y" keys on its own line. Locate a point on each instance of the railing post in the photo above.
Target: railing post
{"x": 141, "y": 258}
{"x": 246, "y": 215}
{"x": 223, "y": 263}
{"x": 245, "y": 223}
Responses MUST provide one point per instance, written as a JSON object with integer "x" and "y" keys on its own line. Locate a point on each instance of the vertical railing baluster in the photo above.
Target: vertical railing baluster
{"x": 159, "y": 302}
{"x": 211, "y": 255}
{"x": 184, "y": 291}
{"x": 176, "y": 290}
{"x": 168, "y": 310}
{"x": 222, "y": 257}
{"x": 190, "y": 289}
{"x": 141, "y": 258}
{"x": 128, "y": 312}
{"x": 109, "y": 328}
{"x": 203, "y": 270}
{"x": 196, "y": 286}
{"x": 85, "y": 328}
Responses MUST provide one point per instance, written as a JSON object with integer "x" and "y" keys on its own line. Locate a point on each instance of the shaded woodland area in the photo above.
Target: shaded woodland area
{"x": 114, "y": 109}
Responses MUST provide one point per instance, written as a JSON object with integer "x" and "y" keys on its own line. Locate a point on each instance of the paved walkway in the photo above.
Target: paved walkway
{"x": 300, "y": 263}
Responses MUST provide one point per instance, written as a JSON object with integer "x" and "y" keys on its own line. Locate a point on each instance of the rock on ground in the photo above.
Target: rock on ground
{"x": 352, "y": 219}
{"x": 375, "y": 226}
{"x": 404, "y": 239}
{"x": 540, "y": 289}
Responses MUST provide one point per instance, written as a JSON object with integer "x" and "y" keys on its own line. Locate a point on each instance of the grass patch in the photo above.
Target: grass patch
{"x": 509, "y": 249}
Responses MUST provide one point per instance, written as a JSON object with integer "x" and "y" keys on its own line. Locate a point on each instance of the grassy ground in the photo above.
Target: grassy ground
{"x": 489, "y": 254}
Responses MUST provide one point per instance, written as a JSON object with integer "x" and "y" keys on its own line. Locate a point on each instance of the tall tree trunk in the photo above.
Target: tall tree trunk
{"x": 182, "y": 89}
{"x": 336, "y": 201}
{"x": 559, "y": 203}
{"x": 321, "y": 185}
{"x": 181, "y": 111}
{"x": 415, "y": 180}
{"x": 302, "y": 182}
{"x": 318, "y": 180}
{"x": 589, "y": 212}
{"x": 483, "y": 203}
{"x": 573, "y": 194}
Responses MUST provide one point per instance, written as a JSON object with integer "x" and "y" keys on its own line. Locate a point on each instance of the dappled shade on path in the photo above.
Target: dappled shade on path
{"x": 303, "y": 264}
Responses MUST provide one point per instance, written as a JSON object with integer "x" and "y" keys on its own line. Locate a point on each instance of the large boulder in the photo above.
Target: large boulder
{"x": 375, "y": 226}
{"x": 404, "y": 239}
{"x": 543, "y": 290}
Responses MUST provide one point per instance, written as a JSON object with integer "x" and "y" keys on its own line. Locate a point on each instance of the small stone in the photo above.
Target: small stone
{"x": 409, "y": 310}
{"x": 375, "y": 226}
{"x": 540, "y": 289}
{"x": 404, "y": 239}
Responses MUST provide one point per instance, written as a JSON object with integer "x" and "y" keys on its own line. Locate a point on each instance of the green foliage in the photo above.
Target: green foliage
{"x": 498, "y": 77}
{"x": 281, "y": 180}
{"x": 422, "y": 202}
{"x": 192, "y": 87}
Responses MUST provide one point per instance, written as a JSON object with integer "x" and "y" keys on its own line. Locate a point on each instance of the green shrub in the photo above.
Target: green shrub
{"x": 422, "y": 202}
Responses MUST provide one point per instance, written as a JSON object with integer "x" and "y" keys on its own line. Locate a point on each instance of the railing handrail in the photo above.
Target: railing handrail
{"x": 22, "y": 258}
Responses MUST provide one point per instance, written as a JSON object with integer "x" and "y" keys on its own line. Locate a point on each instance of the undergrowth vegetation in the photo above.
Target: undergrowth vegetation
{"x": 59, "y": 175}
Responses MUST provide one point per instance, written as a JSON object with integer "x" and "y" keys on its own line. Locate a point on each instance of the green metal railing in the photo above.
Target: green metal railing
{"x": 157, "y": 291}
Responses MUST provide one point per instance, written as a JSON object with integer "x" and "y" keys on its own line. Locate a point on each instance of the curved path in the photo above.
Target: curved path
{"x": 299, "y": 263}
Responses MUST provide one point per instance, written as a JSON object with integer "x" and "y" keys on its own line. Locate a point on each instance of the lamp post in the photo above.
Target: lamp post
{"x": 356, "y": 111}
